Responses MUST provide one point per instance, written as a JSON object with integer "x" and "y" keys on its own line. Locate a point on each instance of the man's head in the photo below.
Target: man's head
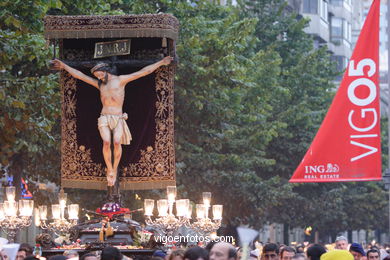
{"x": 299, "y": 256}
{"x": 101, "y": 71}
{"x": 177, "y": 254}
{"x": 287, "y": 253}
{"x": 196, "y": 253}
{"x": 341, "y": 243}
{"x": 315, "y": 251}
{"x": 373, "y": 254}
{"x": 159, "y": 253}
{"x": 300, "y": 248}
{"x": 223, "y": 251}
{"x": 26, "y": 247}
{"x": 71, "y": 254}
{"x": 3, "y": 255}
{"x": 21, "y": 254}
{"x": 270, "y": 252}
{"x": 111, "y": 253}
{"x": 89, "y": 256}
{"x": 357, "y": 251}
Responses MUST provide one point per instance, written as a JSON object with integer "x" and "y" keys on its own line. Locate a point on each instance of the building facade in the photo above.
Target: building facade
{"x": 334, "y": 23}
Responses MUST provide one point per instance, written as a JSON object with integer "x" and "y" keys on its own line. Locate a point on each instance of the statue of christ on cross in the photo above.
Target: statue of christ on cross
{"x": 111, "y": 122}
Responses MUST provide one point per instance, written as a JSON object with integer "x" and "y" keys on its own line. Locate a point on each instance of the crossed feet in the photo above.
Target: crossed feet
{"x": 111, "y": 177}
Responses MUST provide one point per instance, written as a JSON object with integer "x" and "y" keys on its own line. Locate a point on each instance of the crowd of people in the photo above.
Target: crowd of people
{"x": 225, "y": 251}
{"x": 342, "y": 250}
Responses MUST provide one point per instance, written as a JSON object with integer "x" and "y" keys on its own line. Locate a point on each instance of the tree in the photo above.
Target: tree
{"x": 28, "y": 94}
{"x": 239, "y": 100}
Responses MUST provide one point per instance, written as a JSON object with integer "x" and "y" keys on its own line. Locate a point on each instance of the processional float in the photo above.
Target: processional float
{"x": 127, "y": 43}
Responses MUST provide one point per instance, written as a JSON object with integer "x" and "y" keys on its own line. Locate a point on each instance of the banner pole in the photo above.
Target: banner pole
{"x": 388, "y": 107}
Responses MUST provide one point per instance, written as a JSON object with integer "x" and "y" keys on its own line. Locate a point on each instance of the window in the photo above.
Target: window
{"x": 340, "y": 63}
{"x": 337, "y": 2}
{"x": 310, "y": 6}
{"x": 324, "y": 10}
{"x": 341, "y": 30}
{"x": 336, "y": 31}
{"x": 341, "y": 2}
{"x": 349, "y": 34}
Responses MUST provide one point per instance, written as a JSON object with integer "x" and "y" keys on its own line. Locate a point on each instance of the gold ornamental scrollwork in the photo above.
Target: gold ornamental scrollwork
{"x": 111, "y": 26}
{"x": 156, "y": 166}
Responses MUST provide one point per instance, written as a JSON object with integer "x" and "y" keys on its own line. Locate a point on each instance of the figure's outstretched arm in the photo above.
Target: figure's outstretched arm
{"x": 124, "y": 79}
{"x": 59, "y": 65}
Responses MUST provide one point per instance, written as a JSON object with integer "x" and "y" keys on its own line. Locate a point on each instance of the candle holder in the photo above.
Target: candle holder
{"x": 10, "y": 220}
{"x": 59, "y": 225}
{"x": 168, "y": 223}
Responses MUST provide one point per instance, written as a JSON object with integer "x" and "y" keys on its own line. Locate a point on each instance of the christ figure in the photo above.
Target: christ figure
{"x": 111, "y": 122}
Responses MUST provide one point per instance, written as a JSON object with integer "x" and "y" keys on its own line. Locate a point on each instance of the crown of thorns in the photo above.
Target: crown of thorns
{"x": 99, "y": 66}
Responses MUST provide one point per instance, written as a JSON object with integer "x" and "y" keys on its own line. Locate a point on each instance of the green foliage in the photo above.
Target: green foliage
{"x": 29, "y": 96}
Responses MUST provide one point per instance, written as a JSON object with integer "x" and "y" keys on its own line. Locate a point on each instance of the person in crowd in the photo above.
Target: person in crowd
{"x": 196, "y": 253}
{"x": 341, "y": 243}
{"x": 337, "y": 255}
{"x": 158, "y": 255}
{"x": 223, "y": 251}
{"x": 281, "y": 246}
{"x": 373, "y": 254}
{"x": 253, "y": 255}
{"x": 27, "y": 248}
{"x": 383, "y": 253}
{"x": 299, "y": 256}
{"x": 287, "y": 253}
{"x": 315, "y": 251}
{"x": 300, "y": 249}
{"x": 176, "y": 255}
{"x": 3, "y": 255}
{"x": 31, "y": 257}
{"x": 71, "y": 254}
{"x": 270, "y": 252}
{"x": 239, "y": 252}
{"x": 141, "y": 257}
{"x": 57, "y": 257}
{"x": 210, "y": 245}
{"x": 22, "y": 254}
{"x": 89, "y": 256}
{"x": 357, "y": 251}
{"x": 111, "y": 253}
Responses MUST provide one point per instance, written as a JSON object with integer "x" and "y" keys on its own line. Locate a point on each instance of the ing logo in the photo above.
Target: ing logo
{"x": 328, "y": 168}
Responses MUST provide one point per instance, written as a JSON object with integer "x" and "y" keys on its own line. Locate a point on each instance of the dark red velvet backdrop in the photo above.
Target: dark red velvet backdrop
{"x": 139, "y": 104}
{"x": 148, "y": 161}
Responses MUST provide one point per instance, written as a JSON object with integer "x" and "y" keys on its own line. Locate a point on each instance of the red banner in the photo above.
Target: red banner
{"x": 347, "y": 145}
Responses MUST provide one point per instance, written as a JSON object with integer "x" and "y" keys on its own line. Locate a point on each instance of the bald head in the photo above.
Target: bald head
{"x": 223, "y": 251}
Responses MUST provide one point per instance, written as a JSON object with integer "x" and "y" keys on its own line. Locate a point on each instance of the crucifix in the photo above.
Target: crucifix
{"x": 112, "y": 126}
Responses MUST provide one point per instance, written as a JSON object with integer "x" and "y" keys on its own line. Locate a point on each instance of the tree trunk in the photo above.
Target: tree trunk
{"x": 286, "y": 237}
{"x": 350, "y": 236}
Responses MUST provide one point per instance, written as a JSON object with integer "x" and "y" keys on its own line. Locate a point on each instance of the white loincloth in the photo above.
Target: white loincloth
{"x": 114, "y": 121}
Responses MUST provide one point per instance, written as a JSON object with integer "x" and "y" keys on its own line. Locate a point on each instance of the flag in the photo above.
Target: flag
{"x": 347, "y": 145}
